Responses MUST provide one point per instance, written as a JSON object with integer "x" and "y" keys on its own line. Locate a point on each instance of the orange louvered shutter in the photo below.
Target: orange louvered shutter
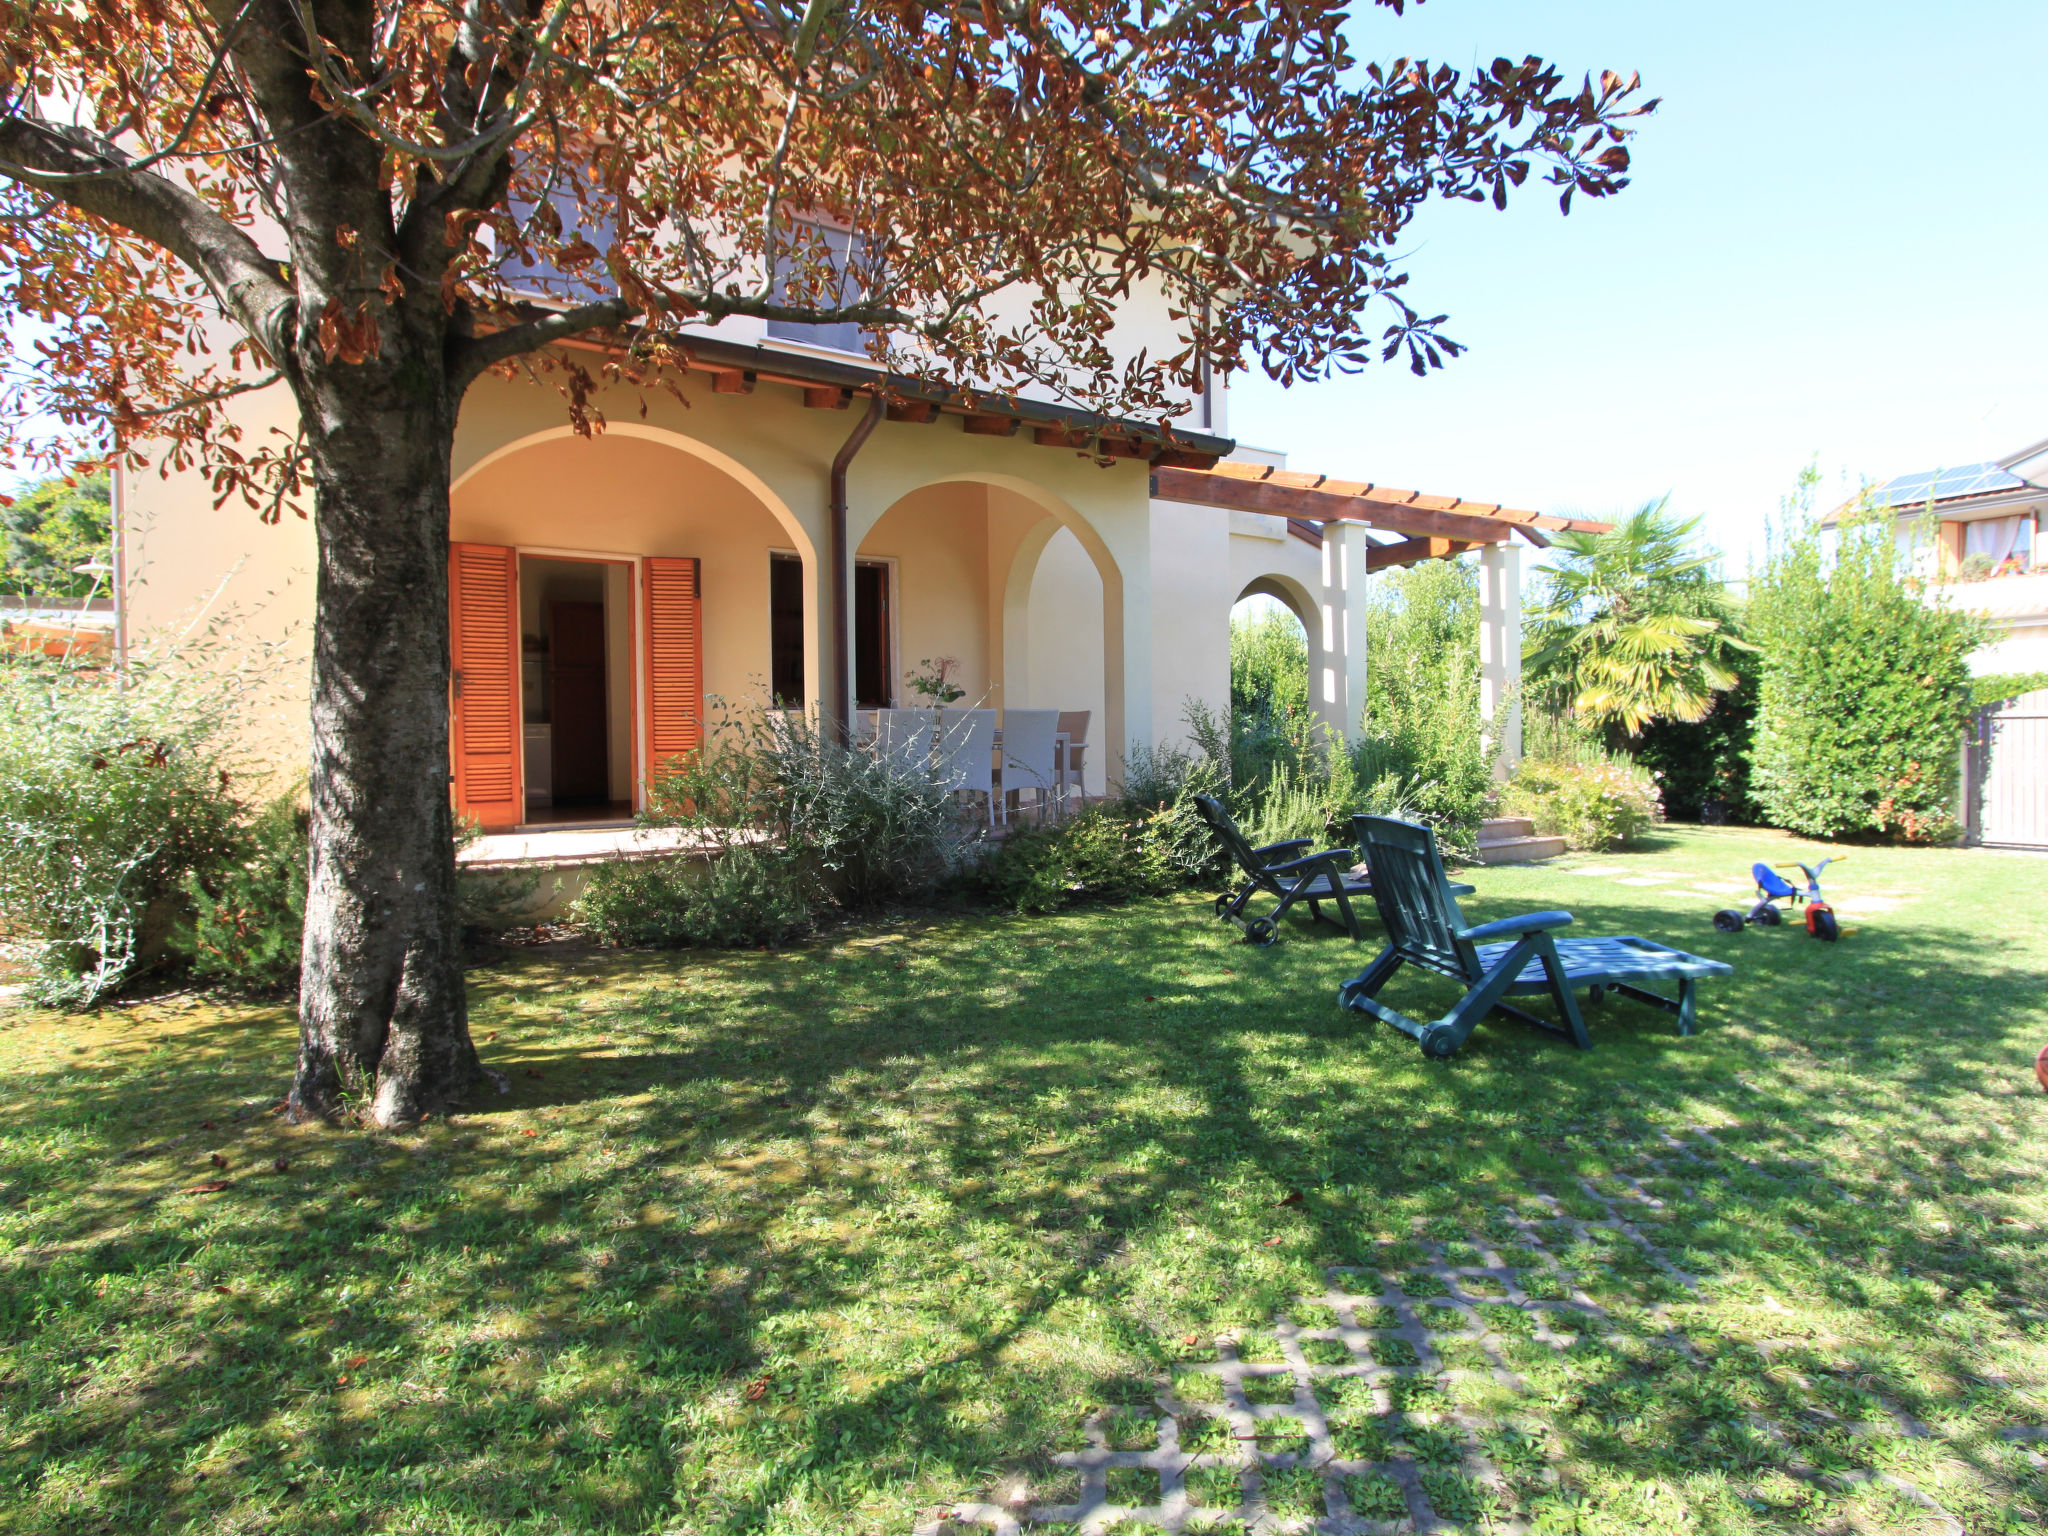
{"x": 675, "y": 662}
{"x": 483, "y": 610}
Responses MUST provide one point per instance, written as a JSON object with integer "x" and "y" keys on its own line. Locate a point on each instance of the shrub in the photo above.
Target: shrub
{"x": 743, "y": 897}
{"x": 110, "y": 797}
{"x": 1423, "y": 736}
{"x": 774, "y": 781}
{"x": 1268, "y": 664}
{"x": 1592, "y": 804}
{"x": 1997, "y": 687}
{"x": 1865, "y": 687}
{"x": 1704, "y": 765}
{"x": 249, "y": 916}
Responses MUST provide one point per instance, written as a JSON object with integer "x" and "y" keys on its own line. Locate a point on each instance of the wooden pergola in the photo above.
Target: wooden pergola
{"x": 1429, "y": 527}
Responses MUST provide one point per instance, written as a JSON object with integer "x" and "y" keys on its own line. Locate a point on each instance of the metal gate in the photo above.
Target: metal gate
{"x": 2005, "y": 781}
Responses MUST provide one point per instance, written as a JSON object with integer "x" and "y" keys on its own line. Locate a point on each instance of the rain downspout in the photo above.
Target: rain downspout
{"x": 838, "y": 712}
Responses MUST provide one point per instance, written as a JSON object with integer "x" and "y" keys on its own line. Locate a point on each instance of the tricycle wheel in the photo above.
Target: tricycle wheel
{"x": 1820, "y": 922}
{"x": 1728, "y": 922}
{"x": 1262, "y": 931}
{"x": 1769, "y": 917}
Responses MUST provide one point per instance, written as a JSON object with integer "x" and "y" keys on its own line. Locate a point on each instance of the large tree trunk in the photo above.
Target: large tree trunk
{"x": 381, "y": 1008}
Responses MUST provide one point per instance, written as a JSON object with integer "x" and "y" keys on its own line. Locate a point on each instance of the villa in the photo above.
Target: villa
{"x": 607, "y": 591}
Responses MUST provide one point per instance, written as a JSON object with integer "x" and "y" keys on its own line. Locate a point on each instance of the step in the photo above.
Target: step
{"x": 1503, "y": 829}
{"x": 1520, "y": 850}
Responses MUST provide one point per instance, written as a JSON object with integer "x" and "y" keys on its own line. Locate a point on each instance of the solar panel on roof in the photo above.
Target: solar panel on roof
{"x": 1942, "y": 484}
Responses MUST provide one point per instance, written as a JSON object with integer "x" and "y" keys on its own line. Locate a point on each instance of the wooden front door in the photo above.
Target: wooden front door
{"x": 483, "y": 613}
{"x": 580, "y": 721}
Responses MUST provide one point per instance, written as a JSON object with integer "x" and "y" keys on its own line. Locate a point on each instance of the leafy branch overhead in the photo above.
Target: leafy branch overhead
{"x": 978, "y": 185}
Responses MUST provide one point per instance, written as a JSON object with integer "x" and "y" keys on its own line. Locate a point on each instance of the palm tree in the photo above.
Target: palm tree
{"x": 1633, "y": 625}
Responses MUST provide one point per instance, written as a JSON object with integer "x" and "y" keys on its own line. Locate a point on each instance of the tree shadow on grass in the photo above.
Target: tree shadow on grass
{"x": 831, "y": 1233}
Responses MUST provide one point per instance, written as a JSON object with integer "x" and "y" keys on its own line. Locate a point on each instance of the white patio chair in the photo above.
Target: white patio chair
{"x": 904, "y": 738}
{"x": 966, "y": 755}
{"x": 1030, "y": 757}
{"x": 1074, "y": 751}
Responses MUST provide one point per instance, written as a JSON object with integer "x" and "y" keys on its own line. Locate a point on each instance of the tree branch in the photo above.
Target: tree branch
{"x": 93, "y": 177}
{"x": 472, "y": 355}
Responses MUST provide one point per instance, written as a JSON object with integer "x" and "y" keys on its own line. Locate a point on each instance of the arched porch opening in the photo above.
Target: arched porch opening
{"x": 1020, "y": 589}
{"x": 635, "y": 576}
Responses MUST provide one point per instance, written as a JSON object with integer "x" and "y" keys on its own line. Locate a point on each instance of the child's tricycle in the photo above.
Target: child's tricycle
{"x": 1772, "y": 888}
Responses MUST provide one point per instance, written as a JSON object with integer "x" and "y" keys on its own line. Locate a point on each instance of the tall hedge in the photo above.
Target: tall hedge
{"x": 1864, "y": 691}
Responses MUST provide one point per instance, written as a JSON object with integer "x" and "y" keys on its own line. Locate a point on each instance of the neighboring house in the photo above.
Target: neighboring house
{"x": 605, "y": 590}
{"x": 1977, "y": 530}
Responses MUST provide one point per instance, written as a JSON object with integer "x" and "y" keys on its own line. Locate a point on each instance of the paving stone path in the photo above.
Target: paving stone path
{"x": 1340, "y": 1425}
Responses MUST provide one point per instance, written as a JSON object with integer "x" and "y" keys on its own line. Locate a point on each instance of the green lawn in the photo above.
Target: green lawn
{"x": 831, "y": 1239}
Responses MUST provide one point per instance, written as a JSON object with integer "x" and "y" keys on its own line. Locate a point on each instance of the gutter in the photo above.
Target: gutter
{"x": 838, "y": 713}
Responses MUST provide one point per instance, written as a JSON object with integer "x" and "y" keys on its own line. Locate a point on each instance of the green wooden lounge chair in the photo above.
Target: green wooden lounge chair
{"x": 1495, "y": 960}
{"x": 1280, "y": 869}
{"x": 1314, "y": 878}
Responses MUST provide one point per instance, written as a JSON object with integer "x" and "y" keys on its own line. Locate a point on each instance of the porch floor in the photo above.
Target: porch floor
{"x": 567, "y": 846}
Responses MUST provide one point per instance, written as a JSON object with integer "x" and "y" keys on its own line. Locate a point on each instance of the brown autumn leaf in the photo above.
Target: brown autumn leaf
{"x": 1292, "y": 1197}
{"x": 281, "y": 1163}
{"x": 218, "y": 1161}
{"x": 758, "y": 1388}
{"x": 210, "y": 1187}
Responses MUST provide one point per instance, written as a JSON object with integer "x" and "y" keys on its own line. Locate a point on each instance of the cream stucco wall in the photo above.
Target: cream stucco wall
{"x": 1064, "y": 639}
{"x": 937, "y": 539}
{"x": 726, "y": 478}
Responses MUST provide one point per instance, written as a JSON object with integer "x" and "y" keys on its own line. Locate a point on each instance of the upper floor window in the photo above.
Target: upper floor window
{"x": 845, "y": 251}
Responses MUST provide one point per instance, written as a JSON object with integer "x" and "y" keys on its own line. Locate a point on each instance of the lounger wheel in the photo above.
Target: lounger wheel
{"x": 1728, "y": 922}
{"x": 1222, "y": 904}
{"x": 1769, "y": 917}
{"x": 1596, "y": 995}
{"x": 1349, "y": 993}
{"x": 1262, "y": 931}
{"x": 1438, "y": 1041}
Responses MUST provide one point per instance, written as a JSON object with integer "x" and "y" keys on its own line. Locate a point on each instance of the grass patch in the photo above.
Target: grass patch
{"x": 1204, "y": 1436}
{"x": 1215, "y": 1487}
{"x": 1394, "y": 1352}
{"x": 1131, "y": 1486}
{"x": 1275, "y": 1388}
{"x": 1454, "y": 1495}
{"x": 1375, "y": 1496}
{"x": 1259, "y": 1349}
{"x": 811, "y": 1241}
{"x": 1197, "y": 1386}
{"x": 1360, "y": 1439}
{"x": 1312, "y": 1315}
{"x": 1294, "y": 1491}
{"x": 1281, "y": 1437}
{"x": 1325, "y": 1352}
{"x": 1132, "y": 1429}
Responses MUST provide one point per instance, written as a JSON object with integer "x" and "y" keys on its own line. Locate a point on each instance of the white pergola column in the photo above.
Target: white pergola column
{"x": 1500, "y": 652}
{"x": 1344, "y": 594}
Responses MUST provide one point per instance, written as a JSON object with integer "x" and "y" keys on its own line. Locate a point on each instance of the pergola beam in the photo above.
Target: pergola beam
{"x": 1211, "y": 488}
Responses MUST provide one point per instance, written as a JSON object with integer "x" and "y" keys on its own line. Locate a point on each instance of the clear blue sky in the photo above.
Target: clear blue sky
{"x": 1833, "y": 248}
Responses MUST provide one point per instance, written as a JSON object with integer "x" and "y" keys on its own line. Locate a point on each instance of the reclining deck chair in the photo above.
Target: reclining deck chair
{"x": 1494, "y": 960}
{"x": 1314, "y": 878}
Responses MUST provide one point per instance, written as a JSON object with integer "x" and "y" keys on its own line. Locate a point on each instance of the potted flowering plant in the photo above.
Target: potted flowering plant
{"x": 935, "y": 682}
